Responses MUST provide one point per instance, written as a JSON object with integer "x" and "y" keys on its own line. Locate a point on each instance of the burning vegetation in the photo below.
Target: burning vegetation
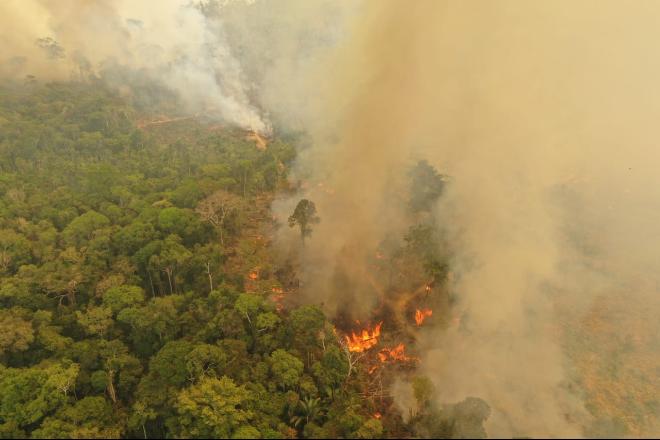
{"x": 364, "y": 339}
{"x": 421, "y": 315}
{"x": 402, "y": 279}
{"x": 394, "y": 354}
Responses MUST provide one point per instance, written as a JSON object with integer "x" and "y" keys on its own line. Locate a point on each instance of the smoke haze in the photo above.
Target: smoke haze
{"x": 544, "y": 114}
{"x": 171, "y": 42}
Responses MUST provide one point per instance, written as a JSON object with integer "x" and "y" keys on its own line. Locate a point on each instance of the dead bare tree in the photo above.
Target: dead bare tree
{"x": 217, "y": 207}
{"x": 210, "y": 275}
{"x": 111, "y": 386}
{"x": 352, "y": 357}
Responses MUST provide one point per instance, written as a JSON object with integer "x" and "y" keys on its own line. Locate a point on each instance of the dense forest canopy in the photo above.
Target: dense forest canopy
{"x": 137, "y": 285}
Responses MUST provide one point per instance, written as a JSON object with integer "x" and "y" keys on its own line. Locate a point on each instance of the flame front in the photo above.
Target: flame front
{"x": 394, "y": 354}
{"x": 364, "y": 340}
{"x": 421, "y": 315}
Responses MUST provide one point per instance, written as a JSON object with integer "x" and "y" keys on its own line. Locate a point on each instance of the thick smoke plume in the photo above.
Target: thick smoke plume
{"x": 178, "y": 44}
{"x": 545, "y": 117}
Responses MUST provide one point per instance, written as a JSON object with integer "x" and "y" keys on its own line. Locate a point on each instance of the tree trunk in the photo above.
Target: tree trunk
{"x": 168, "y": 271}
{"x": 71, "y": 297}
{"x": 208, "y": 272}
{"x": 151, "y": 282}
{"x": 111, "y": 386}
{"x": 221, "y": 225}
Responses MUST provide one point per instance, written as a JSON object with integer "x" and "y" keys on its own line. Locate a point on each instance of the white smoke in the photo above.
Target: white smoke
{"x": 179, "y": 44}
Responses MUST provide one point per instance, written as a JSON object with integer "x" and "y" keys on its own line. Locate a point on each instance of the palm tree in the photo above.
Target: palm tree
{"x": 308, "y": 410}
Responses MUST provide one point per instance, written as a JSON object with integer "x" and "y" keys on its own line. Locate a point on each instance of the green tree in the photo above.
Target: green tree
{"x": 308, "y": 411}
{"x": 206, "y": 360}
{"x": 212, "y": 408}
{"x": 187, "y": 194}
{"x": 286, "y": 368}
{"x": 134, "y": 236}
{"x": 306, "y": 325}
{"x": 81, "y": 229}
{"x": 155, "y": 323}
{"x": 14, "y": 250}
{"x": 304, "y": 216}
{"x": 461, "y": 420}
{"x": 95, "y": 320}
{"x": 169, "y": 364}
{"x": 248, "y": 305}
{"x": 267, "y": 321}
{"x": 173, "y": 220}
{"x": 48, "y": 335}
{"x": 427, "y": 185}
{"x": 423, "y": 390}
{"x": 16, "y": 333}
{"x": 120, "y": 297}
{"x": 246, "y": 431}
{"x": 332, "y": 370}
{"x": 469, "y": 416}
{"x": 90, "y": 417}
{"x": 426, "y": 242}
{"x": 172, "y": 257}
{"x": 28, "y": 395}
{"x": 184, "y": 223}
{"x": 372, "y": 428}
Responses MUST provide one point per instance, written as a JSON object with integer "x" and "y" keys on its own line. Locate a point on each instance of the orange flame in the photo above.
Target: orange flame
{"x": 372, "y": 369}
{"x": 421, "y": 315}
{"x": 394, "y": 354}
{"x": 278, "y": 296}
{"x": 253, "y": 275}
{"x": 377, "y": 415}
{"x": 364, "y": 340}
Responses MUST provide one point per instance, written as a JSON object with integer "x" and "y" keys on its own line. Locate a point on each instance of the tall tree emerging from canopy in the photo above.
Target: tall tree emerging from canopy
{"x": 304, "y": 216}
{"x": 427, "y": 185}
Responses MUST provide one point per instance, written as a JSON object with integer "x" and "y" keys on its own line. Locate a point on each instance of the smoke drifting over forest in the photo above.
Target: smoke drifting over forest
{"x": 544, "y": 114}
{"x": 178, "y": 45}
